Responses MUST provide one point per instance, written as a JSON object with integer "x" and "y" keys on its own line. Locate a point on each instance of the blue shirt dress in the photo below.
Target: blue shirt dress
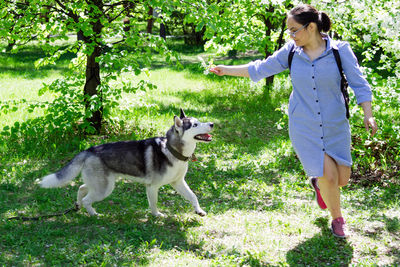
{"x": 317, "y": 114}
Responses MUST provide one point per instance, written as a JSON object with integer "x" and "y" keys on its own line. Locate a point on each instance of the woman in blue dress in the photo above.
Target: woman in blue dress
{"x": 318, "y": 127}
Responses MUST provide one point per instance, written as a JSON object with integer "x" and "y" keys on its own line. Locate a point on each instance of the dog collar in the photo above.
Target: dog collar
{"x": 176, "y": 153}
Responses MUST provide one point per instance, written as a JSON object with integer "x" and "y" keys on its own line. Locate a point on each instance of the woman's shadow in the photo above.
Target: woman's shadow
{"x": 323, "y": 249}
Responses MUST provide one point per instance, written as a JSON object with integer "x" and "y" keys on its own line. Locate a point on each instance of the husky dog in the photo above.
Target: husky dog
{"x": 154, "y": 162}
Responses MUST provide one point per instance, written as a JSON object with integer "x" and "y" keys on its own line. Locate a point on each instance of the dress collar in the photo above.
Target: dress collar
{"x": 330, "y": 44}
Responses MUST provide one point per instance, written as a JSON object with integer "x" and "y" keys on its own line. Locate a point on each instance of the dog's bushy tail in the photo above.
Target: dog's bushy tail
{"x": 66, "y": 174}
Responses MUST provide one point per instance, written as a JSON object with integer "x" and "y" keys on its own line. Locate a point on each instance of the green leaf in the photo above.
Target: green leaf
{"x": 200, "y": 26}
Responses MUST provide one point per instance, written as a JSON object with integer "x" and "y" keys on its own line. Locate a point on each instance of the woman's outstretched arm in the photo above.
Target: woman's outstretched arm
{"x": 235, "y": 70}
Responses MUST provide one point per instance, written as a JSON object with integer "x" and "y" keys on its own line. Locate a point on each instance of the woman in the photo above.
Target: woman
{"x": 318, "y": 127}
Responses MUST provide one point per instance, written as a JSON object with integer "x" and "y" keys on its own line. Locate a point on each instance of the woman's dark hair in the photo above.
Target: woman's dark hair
{"x": 304, "y": 14}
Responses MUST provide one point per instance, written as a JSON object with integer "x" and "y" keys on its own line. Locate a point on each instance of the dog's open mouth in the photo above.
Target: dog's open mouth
{"x": 203, "y": 137}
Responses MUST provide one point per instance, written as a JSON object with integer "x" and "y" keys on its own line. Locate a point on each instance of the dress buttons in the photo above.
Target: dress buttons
{"x": 323, "y": 149}
{"x": 316, "y": 101}
{"x": 313, "y": 77}
{"x": 322, "y": 137}
{"x": 320, "y": 125}
{"x": 314, "y": 88}
{"x": 319, "y": 113}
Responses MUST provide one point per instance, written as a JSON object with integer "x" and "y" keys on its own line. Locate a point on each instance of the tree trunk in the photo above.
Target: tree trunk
{"x": 93, "y": 70}
{"x": 270, "y": 80}
{"x": 268, "y": 28}
{"x": 91, "y": 89}
{"x": 127, "y": 22}
{"x": 11, "y": 43}
{"x": 280, "y": 39}
{"x": 150, "y": 21}
{"x": 163, "y": 32}
{"x": 80, "y": 36}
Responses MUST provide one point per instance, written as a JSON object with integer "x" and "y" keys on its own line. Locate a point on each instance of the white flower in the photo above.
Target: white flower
{"x": 367, "y": 38}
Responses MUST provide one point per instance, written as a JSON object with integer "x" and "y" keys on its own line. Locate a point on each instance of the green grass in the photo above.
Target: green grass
{"x": 260, "y": 208}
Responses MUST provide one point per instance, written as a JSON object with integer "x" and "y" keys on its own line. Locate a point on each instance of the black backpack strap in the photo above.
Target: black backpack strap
{"x": 338, "y": 61}
{"x": 343, "y": 82}
{"x": 290, "y": 57}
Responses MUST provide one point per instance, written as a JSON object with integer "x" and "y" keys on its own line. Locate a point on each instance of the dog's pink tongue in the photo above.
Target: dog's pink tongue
{"x": 206, "y": 136}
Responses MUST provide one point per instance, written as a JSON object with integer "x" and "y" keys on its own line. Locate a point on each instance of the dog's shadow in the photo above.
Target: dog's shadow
{"x": 323, "y": 249}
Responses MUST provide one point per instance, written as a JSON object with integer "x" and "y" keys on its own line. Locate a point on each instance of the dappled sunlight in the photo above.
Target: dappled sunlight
{"x": 260, "y": 208}
{"x": 268, "y": 236}
{"x": 322, "y": 248}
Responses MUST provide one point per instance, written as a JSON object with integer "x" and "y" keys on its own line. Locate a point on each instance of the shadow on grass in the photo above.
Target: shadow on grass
{"x": 372, "y": 199}
{"x": 221, "y": 190}
{"x": 321, "y": 250}
{"x": 78, "y": 239}
{"x": 22, "y": 63}
{"x": 379, "y": 228}
{"x": 392, "y": 226}
{"x": 124, "y": 235}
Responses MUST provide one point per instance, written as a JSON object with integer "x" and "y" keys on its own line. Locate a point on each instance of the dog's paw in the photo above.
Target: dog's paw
{"x": 93, "y": 213}
{"x": 159, "y": 214}
{"x": 201, "y": 212}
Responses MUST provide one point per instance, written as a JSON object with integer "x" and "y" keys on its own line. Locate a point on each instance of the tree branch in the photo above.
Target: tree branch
{"x": 118, "y": 42}
{"x": 61, "y": 4}
{"x": 66, "y": 11}
{"x": 118, "y": 4}
{"x": 117, "y": 16}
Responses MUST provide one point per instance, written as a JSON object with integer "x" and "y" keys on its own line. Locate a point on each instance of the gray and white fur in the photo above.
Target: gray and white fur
{"x": 151, "y": 162}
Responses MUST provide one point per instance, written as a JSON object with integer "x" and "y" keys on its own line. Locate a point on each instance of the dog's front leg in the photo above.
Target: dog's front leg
{"x": 183, "y": 189}
{"x": 152, "y": 197}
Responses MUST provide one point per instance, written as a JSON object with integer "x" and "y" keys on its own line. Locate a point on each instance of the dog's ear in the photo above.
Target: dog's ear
{"x": 182, "y": 114}
{"x": 178, "y": 122}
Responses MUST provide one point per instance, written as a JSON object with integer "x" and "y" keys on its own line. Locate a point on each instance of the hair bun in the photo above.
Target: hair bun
{"x": 325, "y": 21}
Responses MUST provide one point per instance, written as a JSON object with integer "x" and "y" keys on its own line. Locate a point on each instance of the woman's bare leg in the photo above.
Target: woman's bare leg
{"x": 329, "y": 186}
{"x": 344, "y": 175}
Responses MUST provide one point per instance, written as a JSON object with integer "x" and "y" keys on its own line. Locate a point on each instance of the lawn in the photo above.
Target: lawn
{"x": 260, "y": 208}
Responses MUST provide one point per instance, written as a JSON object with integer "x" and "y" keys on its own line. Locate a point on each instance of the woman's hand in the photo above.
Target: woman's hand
{"x": 220, "y": 70}
{"x": 369, "y": 122}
